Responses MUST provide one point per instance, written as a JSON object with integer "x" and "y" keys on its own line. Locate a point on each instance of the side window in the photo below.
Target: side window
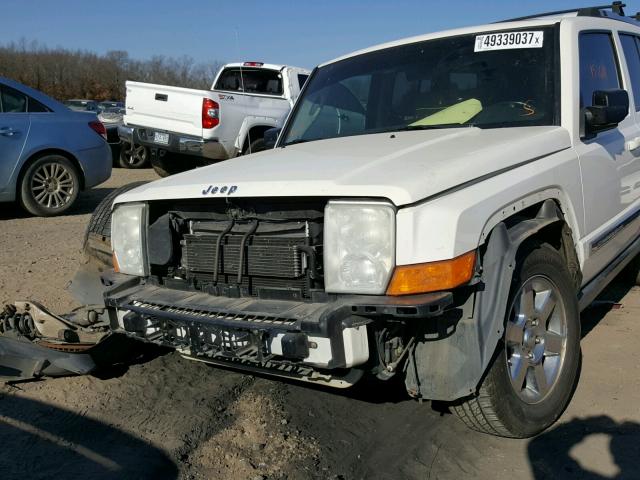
{"x": 36, "y": 107}
{"x": 12, "y": 100}
{"x": 302, "y": 79}
{"x": 598, "y": 65}
{"x": 632, "y": 56}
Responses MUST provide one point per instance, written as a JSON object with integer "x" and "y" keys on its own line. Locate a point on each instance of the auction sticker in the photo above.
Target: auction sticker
{"x": 508, "y": 40}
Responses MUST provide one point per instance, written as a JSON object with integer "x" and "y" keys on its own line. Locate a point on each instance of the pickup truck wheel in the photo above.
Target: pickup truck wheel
{"x": 133, "y": 156}
{"x": 49, "y": 186}
{"x": 256, "y": 146}
{"x": 535, "y": 368}
{"x": 97, "y": 236}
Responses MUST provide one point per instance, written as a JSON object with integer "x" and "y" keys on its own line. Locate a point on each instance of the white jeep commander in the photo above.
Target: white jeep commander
{"x": 440, "y": 208}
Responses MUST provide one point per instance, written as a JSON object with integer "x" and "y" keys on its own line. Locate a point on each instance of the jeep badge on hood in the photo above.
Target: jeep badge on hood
{"x": 213, "y": 189}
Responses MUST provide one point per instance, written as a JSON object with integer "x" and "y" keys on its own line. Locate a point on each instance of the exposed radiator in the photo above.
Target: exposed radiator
{"x": 267, "y": 256}
{"x": 274, "y": 256}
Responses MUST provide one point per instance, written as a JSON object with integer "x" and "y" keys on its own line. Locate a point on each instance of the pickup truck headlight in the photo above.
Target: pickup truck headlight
{"x": 359, "y": 246}
{"x": 128, "y": 238}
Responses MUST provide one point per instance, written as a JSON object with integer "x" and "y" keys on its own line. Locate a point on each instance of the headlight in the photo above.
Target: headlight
{"x": 128, "y": 238}
{"x": 359, "y": 246}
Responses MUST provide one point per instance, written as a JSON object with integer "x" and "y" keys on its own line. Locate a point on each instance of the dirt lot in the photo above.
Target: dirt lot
{"x": 171, "y": 418}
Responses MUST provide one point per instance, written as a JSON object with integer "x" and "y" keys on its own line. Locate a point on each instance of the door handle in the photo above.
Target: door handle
{"x": 7, "y": 131}
{"x": 632, "y": 144}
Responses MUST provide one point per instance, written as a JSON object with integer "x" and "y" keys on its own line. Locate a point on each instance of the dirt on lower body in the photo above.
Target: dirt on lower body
{"x": 167, "y": 417}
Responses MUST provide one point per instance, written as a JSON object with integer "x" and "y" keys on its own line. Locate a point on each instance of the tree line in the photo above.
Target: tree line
{"x": 64, "y": 74}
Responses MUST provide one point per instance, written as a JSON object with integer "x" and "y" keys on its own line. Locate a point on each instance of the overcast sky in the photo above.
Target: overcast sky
{"x": 302, "y": 32}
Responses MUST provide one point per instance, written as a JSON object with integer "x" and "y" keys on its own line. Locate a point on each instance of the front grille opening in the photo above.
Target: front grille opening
{"x": 235, "y": 252}
{"x": 210, "y": 314}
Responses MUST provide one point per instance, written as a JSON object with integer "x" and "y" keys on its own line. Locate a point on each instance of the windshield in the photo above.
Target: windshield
{"x": 501, "y": 79}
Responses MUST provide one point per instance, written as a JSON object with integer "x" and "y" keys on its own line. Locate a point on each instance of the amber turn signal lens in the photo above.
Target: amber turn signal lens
{"x": 432, "y": 276}
{"x": 114, "y": 259}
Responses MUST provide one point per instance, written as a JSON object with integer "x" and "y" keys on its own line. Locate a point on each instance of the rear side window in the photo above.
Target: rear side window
{"x": 250, "y": 80}
{"x": 598, "y": 66}
{"x": 36, "y": 107}
{"x": 302, "y": 79}
{"x": 632, "y": 56}
{"x": 12, "y": 101}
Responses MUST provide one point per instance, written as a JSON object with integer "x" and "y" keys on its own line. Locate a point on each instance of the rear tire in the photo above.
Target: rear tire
{"x": 133, "y": 156}
{"x": 49, "y": 186}
{"x": 535, "y": 369}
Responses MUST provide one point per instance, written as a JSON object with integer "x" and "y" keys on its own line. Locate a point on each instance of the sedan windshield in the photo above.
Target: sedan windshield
{"x": 501, "y": 79}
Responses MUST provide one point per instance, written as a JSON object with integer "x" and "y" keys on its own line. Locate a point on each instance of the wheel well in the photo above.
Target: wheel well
{"x": 557, "y": 234}
{"x": 43, "y": 153}
{"x": 257, "y": 131}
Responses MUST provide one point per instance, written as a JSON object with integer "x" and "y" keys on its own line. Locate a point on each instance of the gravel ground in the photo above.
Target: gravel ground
{"x": 171, "y": 418}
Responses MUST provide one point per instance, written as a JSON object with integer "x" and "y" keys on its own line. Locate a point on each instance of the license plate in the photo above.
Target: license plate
{"x": 160, "y": 137}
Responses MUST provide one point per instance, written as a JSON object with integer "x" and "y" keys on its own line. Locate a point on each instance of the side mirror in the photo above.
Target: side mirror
{"x": 271, "y": 137}
{"x": 609, "y": 108}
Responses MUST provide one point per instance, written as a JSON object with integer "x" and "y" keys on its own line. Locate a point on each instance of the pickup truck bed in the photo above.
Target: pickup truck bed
{"x": 230, "y": 119}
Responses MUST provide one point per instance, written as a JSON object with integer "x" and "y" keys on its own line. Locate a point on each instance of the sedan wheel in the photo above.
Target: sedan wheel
{"x": 49, "y": 186}
{"x": 52, "y": 185}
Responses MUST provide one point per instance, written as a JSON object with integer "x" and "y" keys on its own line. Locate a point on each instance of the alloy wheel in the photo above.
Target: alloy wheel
{"x": 136, "y": 154}
{"x": 52, "y": 185}
{"x": 536, "y": 339}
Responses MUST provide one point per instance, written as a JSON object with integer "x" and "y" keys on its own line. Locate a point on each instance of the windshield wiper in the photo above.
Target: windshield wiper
{"x": 298, "y": 140}
{"x": 434, "y": 127}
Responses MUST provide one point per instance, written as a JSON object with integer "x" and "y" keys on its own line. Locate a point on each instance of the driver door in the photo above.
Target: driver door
{"x": 609, "y": 160}
{"x": 14, "y": 129}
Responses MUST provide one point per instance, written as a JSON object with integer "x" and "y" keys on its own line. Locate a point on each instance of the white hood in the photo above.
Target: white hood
{"x": 404, "y": 167}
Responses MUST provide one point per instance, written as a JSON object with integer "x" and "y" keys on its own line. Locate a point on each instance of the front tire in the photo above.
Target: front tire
{"x": 49, "y": 186}
{"x": 254, "y": 147}
{"x": 535, "y": 368}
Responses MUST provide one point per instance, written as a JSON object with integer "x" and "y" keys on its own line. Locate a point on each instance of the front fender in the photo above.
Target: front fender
{"x": 452, "y": 368}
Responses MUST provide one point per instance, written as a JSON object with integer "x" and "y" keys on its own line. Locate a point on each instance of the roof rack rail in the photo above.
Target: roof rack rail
{"x": 617, "y": 9}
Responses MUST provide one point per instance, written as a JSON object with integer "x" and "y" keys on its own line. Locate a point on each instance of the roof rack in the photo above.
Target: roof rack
{"x": 614, "y": 11}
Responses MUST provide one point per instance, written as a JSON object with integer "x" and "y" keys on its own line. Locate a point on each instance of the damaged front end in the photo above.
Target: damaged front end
{"x": 35, "y": 342}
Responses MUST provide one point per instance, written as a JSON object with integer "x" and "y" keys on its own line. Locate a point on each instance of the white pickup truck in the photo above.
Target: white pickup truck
{"x": 184, "y": 127}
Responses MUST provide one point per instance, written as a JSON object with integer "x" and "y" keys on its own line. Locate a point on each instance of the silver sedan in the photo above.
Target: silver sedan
{"x": 48, "y": 153}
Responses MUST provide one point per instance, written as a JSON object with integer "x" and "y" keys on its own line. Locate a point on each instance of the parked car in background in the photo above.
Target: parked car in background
{"x": 184, "y": 128}
{"x": 110, "y": 105}
{"x": 79, "y": 105}
{"x": 48, "y": 153}
{"x": 111, "y": 117}
{"x": 125, "y": 154}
